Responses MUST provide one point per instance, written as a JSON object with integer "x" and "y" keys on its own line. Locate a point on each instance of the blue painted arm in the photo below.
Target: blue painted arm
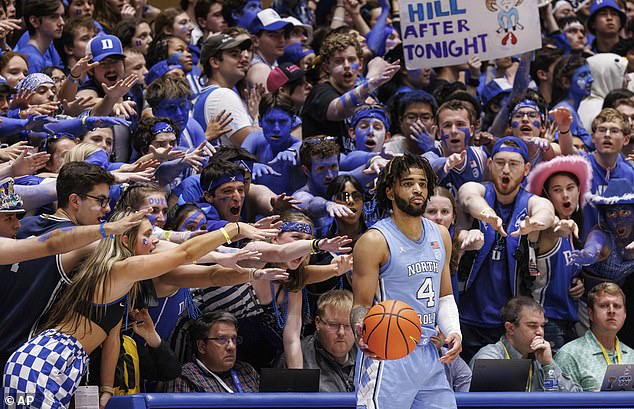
{"x": 376, "y": 37}
{"x": 595, "y": 242}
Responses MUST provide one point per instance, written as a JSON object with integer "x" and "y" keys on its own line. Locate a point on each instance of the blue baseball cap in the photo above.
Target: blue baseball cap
{"x": 105, "y": 46}
{"x": 499, "y": 147}
{"x": 493, "y": 89}
{"x": 159, "y": 69}
{"x": 598, "y": 5}
{"x": 293, "y": 53}
{"x": 268, "y": 20}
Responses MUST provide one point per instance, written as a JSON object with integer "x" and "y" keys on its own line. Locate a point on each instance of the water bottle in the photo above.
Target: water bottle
{"x": 551, "y": 383}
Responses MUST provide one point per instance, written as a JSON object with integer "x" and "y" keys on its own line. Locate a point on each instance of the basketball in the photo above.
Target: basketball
{"x": 391, "y": 329}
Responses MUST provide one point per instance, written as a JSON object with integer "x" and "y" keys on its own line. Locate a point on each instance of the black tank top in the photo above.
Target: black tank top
{"x": 107, "y": 316}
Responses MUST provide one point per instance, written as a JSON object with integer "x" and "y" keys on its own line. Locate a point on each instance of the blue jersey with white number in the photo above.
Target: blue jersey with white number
{"x": 412, "y": 273}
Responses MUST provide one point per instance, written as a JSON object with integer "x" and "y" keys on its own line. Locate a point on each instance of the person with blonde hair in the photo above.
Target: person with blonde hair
{"x": 585, "y": 359}
{"x": 91, "y": 311}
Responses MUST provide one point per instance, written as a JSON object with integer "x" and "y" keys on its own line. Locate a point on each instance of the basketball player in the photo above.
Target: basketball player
{"x": 407, "y": 256}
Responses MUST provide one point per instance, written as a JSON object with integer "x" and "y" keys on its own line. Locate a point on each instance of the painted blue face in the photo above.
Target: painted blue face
{"x": 620, "y": 219}
{"x": 369, "y": 135}
{"x": 249, "y": 12}
{"x": 177, "y": 109}
{"x": 276, "y": 127}
{"x": 322, "y": 172}
{"x": 581, "y": 83}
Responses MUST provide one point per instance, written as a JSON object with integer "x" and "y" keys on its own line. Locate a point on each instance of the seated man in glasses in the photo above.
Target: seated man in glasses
{"x": 215, "y": 368}
{"x": 331, "y": 348}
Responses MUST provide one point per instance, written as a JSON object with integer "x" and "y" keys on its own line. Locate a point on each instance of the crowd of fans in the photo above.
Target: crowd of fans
{"x": 204, "y": 172}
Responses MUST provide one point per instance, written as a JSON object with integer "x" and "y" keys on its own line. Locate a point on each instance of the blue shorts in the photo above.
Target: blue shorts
{"x": 416, "y": 381}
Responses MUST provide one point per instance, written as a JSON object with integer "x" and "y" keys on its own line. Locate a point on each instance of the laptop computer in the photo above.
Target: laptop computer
{"x": 500, "y": 375}
{"x": 618, "y": 378}
{"x": 289, "y": 380}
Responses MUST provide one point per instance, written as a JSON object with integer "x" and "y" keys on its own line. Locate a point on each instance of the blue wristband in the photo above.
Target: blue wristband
{"x": 102, "y": 230}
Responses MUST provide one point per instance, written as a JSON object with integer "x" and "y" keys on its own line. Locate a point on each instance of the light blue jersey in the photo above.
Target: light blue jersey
{"x": 412, "y": 275}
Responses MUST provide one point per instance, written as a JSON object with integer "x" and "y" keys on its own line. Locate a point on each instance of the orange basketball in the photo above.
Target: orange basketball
{"x": 391, "y": 329}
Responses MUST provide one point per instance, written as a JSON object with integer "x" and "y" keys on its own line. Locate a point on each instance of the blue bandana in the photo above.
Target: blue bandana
{"x": 370, "y": 112}
{"x": 297, "y": 227}
{"x": 216, "y": 183}
{"x": 32, "y": 81}
{"x": 162, "y": 127}
{"x": 528, "y": 103}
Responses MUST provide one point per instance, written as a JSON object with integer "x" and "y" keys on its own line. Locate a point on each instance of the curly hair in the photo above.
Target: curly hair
{"x": 611, "y": 115}
{"x": 339, "y": 42}
{"x": 395, "y": 170}
{"x": 321, "y": 146}
{"x": 143, "y": 137}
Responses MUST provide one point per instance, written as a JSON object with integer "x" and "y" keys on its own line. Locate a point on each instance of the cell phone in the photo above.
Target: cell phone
{"x": 131, "y": 325}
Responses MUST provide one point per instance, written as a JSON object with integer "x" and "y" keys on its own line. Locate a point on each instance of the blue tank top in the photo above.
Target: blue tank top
{"x": 472, "y": 171}
{"x": 413, "y": 271}
{"x": 550, "y": 288}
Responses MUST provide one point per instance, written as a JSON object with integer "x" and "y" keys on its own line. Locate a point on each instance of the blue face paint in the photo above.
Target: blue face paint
{"x": 537, "y": 124}
{"x": 145, "y": 241}
{"x": 369, "y": 135}
{"x": 322, "y": 172}
{"x": 249, "y": 13}
{"x": 193, "y": 220}
{"x": 620, "y": 219}
{"x": 444, "y": 137}
{"x": 467, "y": 134}
{"x": 177, "y": 109}
{"x": 355, "y": 66}
{"x": 151, "y": 218}
{"x": 581, "y": 83}
{"x": 276, "y": 127}
{"x": 515, "y": 124}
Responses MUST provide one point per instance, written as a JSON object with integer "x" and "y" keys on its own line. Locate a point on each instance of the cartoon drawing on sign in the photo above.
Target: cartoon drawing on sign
{"x": 508, "y": 18}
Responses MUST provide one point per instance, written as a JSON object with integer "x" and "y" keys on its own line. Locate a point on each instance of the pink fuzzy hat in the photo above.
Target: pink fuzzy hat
{"x": 575, "y": 164}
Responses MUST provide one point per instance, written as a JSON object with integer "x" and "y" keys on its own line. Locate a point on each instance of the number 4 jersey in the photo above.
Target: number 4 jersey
{"x": 412, "y": 273}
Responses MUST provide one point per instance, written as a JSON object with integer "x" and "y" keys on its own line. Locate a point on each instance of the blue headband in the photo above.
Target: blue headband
{"x": 162, "y": 127}
{"x": 221, "y": 180}
{"x": 528, "y": 103}
{"x": 501, "y": 146}
{"x": 297, "y": 227}
{"x": 371, "y": 112}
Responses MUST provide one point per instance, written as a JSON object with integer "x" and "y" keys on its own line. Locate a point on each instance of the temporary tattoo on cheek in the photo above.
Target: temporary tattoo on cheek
{"x": 515, "y": 124}
{"x": 145, "y": 241}
{"x": 137, "y": 42}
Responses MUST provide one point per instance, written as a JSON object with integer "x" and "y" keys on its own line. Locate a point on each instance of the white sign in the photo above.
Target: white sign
{"x": 440, "y": 33}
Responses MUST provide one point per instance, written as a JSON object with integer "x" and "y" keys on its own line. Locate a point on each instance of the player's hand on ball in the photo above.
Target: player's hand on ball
{"x": 455, "y": 343}
{"x": 358, "y": 337}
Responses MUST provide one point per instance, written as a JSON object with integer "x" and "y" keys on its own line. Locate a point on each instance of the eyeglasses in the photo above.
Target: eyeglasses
{"x": 103, "y": 201}
{"x": 412, "y": 117}
{"x": 531, "y": 114}
{"x": 602, "y": 130}
{"x": 334, "y": 326}
{"x": 346, "y": 196}
{"x": 225, "y": 340}
{"x": 513, "y": 164}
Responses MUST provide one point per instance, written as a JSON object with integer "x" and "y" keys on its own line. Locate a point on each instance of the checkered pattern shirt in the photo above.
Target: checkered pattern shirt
{"x": 193, "y": 378}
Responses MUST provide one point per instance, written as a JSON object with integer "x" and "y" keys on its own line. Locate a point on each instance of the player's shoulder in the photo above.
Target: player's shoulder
{"x": 372, "y": 240}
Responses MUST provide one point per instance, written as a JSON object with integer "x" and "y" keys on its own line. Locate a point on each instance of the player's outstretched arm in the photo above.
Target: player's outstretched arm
{"x": 369, "y": 253}
{"x": 448, "y": 320}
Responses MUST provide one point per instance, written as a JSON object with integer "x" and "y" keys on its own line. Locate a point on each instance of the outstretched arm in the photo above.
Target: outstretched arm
{"x": 62, "y": 240}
